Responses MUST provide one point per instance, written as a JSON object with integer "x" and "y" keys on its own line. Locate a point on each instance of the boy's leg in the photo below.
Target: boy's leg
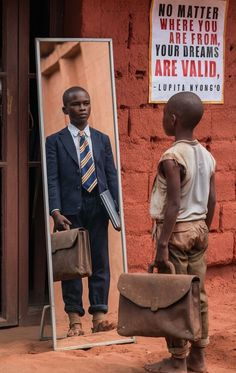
{"x": 72, "y": 295}
{"x": 187, "y": 252}
{"x": 178, "y": 348}
{"x": 197, "y": 266}
{"x": 97, "y": 224}
{"x": 180, "y": 243}
{"x": 96, "y": 221}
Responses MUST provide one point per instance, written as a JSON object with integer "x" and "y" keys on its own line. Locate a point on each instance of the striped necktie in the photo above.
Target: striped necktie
{"x": 89, "y": 179}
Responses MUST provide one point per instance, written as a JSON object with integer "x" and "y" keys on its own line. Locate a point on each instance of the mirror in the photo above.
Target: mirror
{"x": 86, "y": 63}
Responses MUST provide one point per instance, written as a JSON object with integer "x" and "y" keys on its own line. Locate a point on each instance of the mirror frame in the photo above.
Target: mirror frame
{"x": 45, "y": 190}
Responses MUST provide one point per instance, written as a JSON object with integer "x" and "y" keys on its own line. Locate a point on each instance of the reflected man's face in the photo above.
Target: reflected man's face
{"x": 78, "y": 108}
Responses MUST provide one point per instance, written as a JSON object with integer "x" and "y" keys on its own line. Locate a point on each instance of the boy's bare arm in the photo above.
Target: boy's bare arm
{"x": 171, "y": 172}
{"x": 211, "y": 202}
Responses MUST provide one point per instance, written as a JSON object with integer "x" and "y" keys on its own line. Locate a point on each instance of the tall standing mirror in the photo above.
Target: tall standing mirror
{"x": 88, "y": 64}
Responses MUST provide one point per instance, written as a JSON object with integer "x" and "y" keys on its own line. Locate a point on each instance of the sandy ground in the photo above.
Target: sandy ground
{"x": 21, "y": 352}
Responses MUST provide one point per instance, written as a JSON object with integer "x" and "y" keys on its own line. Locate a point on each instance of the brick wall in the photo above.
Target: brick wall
{"x": 141, "y": 136}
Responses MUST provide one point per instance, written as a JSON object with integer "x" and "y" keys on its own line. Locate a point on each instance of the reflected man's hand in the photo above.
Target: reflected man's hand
{"x": 60, "y": 221}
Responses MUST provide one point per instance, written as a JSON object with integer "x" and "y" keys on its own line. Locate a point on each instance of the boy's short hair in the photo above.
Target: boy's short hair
{"x": 70, "y": 91}
{"x": 187, "y": 107}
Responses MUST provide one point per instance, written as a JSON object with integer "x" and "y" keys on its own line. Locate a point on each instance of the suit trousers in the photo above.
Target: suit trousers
{"x": 92, "y": 217}
{"x": 187, "y": 247}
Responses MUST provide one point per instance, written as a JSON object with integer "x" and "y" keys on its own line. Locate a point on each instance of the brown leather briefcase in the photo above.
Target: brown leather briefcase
{"x": 159, "y": 305}
{"x": 71, "y": 256}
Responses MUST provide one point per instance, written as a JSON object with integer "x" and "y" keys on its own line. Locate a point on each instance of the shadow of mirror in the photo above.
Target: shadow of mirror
{"x": 77, "y": 167}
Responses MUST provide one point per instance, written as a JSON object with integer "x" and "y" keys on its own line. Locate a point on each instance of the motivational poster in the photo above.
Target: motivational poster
{"x": 187, "y": 49}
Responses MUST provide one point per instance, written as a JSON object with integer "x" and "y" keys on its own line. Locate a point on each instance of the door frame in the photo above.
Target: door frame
{"x": 9, "y": 314}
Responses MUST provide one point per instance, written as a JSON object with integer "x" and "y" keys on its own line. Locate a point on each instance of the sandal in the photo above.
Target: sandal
{"x": 75, "y": 330}
{"x": 103, "y": 326}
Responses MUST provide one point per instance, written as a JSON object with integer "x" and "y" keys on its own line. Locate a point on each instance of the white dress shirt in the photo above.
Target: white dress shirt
{"x": 74, "y": 131}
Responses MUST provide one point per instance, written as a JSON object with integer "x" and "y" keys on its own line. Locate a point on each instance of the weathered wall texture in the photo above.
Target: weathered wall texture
{"x": 141, "y": 136}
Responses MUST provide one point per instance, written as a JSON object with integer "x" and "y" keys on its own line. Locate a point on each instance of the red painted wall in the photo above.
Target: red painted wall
{"x": 141, "y": 136}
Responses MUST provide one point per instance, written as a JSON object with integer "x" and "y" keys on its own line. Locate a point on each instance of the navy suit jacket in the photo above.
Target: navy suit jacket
{"x": 63, "y": 170}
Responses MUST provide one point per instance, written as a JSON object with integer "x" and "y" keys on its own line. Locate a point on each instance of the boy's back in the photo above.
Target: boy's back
{"x": 198, "y": 166}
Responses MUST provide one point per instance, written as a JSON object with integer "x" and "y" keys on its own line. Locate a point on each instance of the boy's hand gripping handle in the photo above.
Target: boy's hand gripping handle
{"x": 170, "y": 266}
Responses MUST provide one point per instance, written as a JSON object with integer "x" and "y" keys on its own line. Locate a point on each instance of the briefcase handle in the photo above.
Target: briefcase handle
{"x": 170, "y": 266}
{"x": 79, "y": 229}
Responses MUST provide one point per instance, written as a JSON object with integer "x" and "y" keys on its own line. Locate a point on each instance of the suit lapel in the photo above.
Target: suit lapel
{"x": 68, "y": 143}
{"x": 96, "y": 144}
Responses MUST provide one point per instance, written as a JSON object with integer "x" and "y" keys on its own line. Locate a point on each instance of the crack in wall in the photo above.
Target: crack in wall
{"x": 130, "y": 31}
{"x": 129, "y": 124}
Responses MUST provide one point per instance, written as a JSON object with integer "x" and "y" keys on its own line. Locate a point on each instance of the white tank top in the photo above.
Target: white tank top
{"x": 199, "y": 165}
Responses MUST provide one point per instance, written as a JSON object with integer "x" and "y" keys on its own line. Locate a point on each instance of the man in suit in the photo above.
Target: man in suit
{"x": 80, "y": 166}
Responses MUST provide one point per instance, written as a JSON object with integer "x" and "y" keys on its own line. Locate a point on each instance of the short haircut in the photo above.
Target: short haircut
{"x": 187, "y": 107}
{"x": 70, "y": 91}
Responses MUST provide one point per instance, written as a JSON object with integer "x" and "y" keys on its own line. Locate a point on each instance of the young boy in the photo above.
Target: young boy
{"x": 80, "y": 166}
{"x": 182, "y": 205}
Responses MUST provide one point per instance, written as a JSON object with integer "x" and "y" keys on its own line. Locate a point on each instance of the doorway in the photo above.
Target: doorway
{"x": 23, "y": 273}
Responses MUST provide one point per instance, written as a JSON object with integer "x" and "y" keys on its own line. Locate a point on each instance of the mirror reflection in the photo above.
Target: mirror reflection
{"x": 81, "y": 157}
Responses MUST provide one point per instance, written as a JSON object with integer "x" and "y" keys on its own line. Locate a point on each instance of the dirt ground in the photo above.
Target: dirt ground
{"x": 21, "y": 352}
